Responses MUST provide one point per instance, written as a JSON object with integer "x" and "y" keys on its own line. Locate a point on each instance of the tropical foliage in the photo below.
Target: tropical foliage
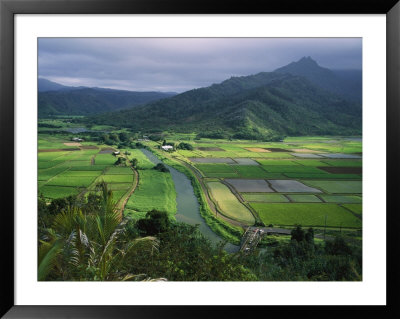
{"x": 88, "y": 243}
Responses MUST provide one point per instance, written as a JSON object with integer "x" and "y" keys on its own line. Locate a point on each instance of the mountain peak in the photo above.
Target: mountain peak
{"x": 307, "y": 60}
{"x": 305, "y": 63}
{"x": 325, "y": 78}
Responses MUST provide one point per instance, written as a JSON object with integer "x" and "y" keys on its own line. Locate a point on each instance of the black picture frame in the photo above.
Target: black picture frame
{"x": 8, "y": 8}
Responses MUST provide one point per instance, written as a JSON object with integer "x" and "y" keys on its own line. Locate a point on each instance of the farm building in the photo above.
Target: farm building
{"x": 116, "y": 153}
{"x": 167, "y": 147}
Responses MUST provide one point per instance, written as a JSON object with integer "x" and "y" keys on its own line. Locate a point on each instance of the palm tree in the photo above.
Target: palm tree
{"x": 90, "y": 246}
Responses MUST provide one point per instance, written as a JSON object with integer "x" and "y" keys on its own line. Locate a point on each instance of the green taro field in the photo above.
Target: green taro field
{"x": 310, "y": 181}
{"x": 156, "y": 190}
{"x": 65, "y": 170}
{"x": 318, "y": 180}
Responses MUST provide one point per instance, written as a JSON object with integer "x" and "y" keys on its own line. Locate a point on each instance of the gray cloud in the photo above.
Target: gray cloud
{"x": 179, "y": 64}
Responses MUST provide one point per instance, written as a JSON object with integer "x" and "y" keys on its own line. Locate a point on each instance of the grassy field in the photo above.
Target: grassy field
{"x": 229, "y": 204}
{"x": 251, "y": 171}
{"x": 293, "y": 169}
{"x": 155, "y": 191}
{"x": 344, "y": 163}
{"x": 304, "y": 198}
{"x": 57, "y": 191}
{"x": 306, "y": 214}
{"x": 323, "y": 176}
{"x": 49, "y": 164}
{"x": 267, "y": 198}
{"x": 46, "y": 174}
{"x": 127, "y": 178}
{"x": 337, "y": 187}
{"x": 88, "y": 168}
{"x": 105, "y": 159}
{"x": 351, "y": 199}
{"x": 355, "y": 208}
{"x": 70, "y": 173}
{"x": 277, "y": 162}
{"x": 217, "y": 170}
{"x": 143, "y": 162}
{"x": 81, "y": 181}
{"x": 118, "y": 170}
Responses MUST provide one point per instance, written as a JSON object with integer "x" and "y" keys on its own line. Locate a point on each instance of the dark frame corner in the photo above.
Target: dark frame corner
{"x": 8, "y": 8}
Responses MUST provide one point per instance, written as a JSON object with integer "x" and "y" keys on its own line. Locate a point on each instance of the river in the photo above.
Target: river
{"x": 187, "y": 205}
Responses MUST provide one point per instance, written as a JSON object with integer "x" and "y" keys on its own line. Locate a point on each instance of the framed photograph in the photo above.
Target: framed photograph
{"x": 165, "y": 155}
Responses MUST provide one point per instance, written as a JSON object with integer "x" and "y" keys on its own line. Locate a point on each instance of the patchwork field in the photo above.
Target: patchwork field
{"x": 316, "y": 174}
{"x": 104, "y": 159}
{"x": 355, "y": 208}
{"x": 339, "y": 155}
{"x": 250, "y": 171}
{"x": 341, "y": 199}
{"x": 245, "y": 161}
{"x": 306, "y": 215}
{"x": 217, "y": 170}
{"x": 64, "y": 173}
{"x": 119, "y": 178}
{"x": 155, "y": 191}
{"x": 229, "y": 204}
{"x": 337, "y": 187}
{"x": 291, "y": 186}
{"x": 302, "y": 180}
{"x": 267, "y": 198}
{"x": 306, "y": 155}
{"x": 304, "y": 198}
{"x": 57, "y": 191}
{"x": 224, "y": 160}
{"x": 250, "y": 185}
{"x": 76, "y": 181}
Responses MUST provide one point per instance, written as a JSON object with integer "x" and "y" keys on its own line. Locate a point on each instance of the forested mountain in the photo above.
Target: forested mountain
{"x": 266, "y": 105}
{"x": 63, "y": 100}
{"x": 347, "y": 83}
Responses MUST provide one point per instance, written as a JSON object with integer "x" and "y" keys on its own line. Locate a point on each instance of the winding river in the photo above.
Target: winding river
{"x": 187, "y": 204}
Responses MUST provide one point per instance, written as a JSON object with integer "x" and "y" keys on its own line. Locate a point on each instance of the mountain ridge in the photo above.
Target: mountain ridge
{"x": 57, "y": 99}
{"x": 266, "y": 105}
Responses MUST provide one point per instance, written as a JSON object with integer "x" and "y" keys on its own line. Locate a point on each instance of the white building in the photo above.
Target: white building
{"x": 167, "y": 147}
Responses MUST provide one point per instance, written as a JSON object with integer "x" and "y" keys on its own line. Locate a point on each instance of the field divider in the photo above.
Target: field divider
{"x": 242, "y": 201}
{"x": 349, "y": 210}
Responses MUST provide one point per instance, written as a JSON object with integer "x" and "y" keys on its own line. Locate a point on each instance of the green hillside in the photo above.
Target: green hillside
{"x": 267, "y": 105}
{"x": 85, "y": 101}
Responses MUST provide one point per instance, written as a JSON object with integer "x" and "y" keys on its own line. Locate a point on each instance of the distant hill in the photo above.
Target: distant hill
{"x": 57, "y": 99}
{"x": 267, "y": 105}
{"x": 45, "y": 85}
{"x": 347, "y": 83}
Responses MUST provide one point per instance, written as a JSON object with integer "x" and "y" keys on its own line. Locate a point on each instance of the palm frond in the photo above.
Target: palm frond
{"x": 48, "y": 259}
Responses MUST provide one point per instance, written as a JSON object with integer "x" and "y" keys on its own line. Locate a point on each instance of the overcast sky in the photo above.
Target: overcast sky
{"x": 181, "y": 64}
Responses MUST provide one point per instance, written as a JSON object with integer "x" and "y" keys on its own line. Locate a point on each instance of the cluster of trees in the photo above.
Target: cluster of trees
{"x": 303, "y": 260}
{"x": 122, "y": 139}
{"x": 185, "y": 146}
{"x": 161, "y": 167}
{"x": 121, "y": 161}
